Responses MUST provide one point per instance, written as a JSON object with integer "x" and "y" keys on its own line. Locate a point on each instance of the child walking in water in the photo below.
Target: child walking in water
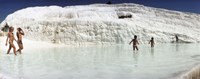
{"x": 11, "y": 38}
{"x": 20, "y": 33}
{"x": 152, "y": 42}
{"x": 135, "y": 42}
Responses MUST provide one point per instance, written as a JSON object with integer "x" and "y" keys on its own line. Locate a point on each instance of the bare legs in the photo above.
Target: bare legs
{"x": 20, "y": 48}
{"x": 10, "y": 47}
{"x": 135, "y": 47}
{"x": 9, "y": 50}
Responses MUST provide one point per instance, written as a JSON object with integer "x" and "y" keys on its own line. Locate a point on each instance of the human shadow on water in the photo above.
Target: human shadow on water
{"x": 135, "y": 56}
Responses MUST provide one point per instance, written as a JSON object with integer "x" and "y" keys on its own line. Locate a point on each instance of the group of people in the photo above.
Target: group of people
{"x": 135, "y": 42}
{"x": 11, "y": 38}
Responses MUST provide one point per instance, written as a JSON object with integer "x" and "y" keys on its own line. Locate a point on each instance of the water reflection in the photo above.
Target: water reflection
{"x": 152, "y": 52}
{"x": 135, "y": 56}
{"x": 177, "y": 47}
{"x": 20, "y": 67}
{"x": 107, "y": 61}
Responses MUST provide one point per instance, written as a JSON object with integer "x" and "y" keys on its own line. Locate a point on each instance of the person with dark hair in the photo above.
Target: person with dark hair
{"x": 152, "y": 42}
{"x": 135, "y": 42}
{"x": 11, "y": 38}
{"x": 176, "y": 36}
{"x": 5, "y": 28}
{"x": 20, "y": 33}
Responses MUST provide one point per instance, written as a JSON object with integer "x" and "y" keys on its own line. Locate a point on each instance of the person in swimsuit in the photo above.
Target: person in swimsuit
{"x": 135, "y": 42}
{"x": 20, "y": 33}
{"x": 11, "y": 38}
{"x": 152, "y": 42}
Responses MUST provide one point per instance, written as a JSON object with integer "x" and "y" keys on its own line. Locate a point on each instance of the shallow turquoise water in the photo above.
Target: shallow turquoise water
{"x": 164, "y": 61}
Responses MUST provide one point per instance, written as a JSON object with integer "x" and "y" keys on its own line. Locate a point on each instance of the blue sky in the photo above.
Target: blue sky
{"x": 10, "y": 6}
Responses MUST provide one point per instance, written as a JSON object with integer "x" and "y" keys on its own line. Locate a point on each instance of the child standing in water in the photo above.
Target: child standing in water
{"x": 152, "y": 42}
{"x": 135, "y": 42}
{"x": 11, "y": 38}
{"x": 20, "y": 33}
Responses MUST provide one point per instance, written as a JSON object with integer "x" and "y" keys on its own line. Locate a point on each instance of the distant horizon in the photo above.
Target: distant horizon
{"x": 10, "y": 6}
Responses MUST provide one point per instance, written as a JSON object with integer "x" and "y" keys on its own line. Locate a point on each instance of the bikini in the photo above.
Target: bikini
{"x": 19, "y": 41}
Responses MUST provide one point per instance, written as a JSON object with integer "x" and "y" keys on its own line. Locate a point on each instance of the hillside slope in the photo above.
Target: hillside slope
{"x": 105, "y": 24}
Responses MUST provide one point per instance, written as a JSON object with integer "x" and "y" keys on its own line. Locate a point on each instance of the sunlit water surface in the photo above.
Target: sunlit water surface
{"x": 164, "y": 61}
